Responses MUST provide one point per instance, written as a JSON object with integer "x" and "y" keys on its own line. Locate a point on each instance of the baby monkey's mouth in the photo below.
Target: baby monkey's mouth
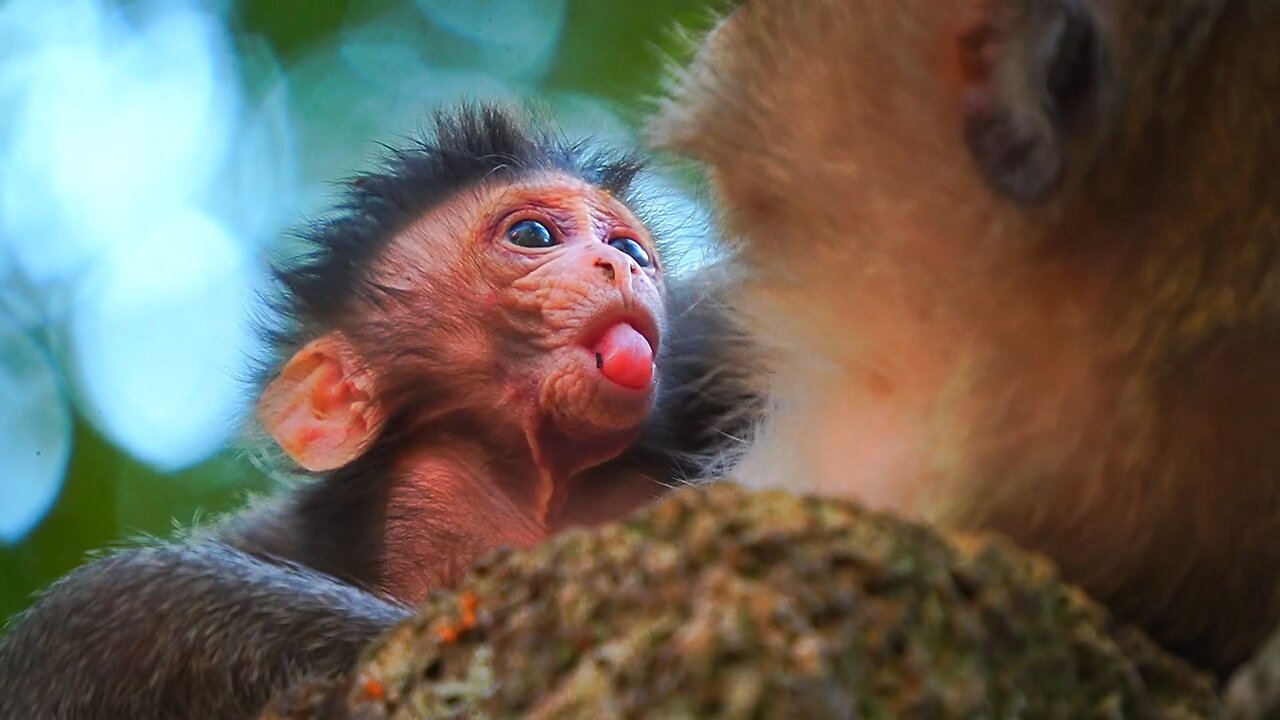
{"x": 624, "y": 346}
{"x": 625, "y": 356}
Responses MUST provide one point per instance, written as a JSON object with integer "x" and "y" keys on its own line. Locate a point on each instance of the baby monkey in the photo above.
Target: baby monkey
{"x": 480, "y": 325}
{"x": 480, "y": 348}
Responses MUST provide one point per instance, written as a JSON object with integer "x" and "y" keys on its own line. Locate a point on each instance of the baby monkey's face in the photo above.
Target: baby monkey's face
{"x": 577, "y": 280}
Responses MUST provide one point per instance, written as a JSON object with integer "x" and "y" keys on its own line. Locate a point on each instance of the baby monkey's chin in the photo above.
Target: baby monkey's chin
{"x": 587, "y": 404}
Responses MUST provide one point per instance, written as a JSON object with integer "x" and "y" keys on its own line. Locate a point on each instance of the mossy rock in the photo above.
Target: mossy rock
{"x": 1254, "y": 691}
{"x": 722, "y": 603}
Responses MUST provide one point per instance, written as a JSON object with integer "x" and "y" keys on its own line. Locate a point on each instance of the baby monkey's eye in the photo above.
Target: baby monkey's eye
{"x": 633, "y": 249}
{"x": 530, "y": 234}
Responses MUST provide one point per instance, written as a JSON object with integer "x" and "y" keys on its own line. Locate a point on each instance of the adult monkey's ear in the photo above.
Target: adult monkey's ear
{"x": 1035, "y": 72}
{"x": 321, "y": 409}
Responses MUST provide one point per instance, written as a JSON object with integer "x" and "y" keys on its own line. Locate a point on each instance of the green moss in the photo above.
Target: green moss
{"x": 723, "y": 603}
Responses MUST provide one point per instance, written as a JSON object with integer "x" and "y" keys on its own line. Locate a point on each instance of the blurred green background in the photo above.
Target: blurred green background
{"x": 121, "y": 349}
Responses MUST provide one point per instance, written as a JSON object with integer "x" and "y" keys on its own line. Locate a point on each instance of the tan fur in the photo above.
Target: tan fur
{"x": 1096, "y": 376}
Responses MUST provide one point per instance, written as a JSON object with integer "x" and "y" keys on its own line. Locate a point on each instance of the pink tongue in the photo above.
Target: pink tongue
{"x": 625, "y": 357}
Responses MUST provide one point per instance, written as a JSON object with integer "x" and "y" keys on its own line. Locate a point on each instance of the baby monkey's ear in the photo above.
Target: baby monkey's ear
{"x": 321, "y": 409}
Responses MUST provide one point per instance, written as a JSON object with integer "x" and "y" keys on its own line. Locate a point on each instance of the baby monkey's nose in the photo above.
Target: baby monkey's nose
{"x": 617, "y": 270}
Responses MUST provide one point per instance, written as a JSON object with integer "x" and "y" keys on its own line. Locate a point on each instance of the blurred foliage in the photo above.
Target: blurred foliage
{"x": 610, "y": 50}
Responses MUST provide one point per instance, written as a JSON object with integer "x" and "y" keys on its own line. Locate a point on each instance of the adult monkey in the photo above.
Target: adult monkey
{"x": 1018, "y": 262}
{"x": 470, "y": 363}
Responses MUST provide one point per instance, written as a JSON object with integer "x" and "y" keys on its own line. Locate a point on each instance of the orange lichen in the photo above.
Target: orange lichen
{"x": 469, "y": 603}
{"x": 373, "y": 689}
{"x": 450, "y": 633}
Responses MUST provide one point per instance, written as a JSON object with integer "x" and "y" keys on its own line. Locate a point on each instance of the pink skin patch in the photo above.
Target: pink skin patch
{"x": 625, "y": 357}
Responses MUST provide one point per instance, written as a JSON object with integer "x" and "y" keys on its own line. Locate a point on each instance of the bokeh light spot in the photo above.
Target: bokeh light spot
{"x": 35, "y": 433}
{"x": 158, "y": 351}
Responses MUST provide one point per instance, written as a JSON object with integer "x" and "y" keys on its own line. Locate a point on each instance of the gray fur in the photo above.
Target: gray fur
{"x": 181, "y": 631}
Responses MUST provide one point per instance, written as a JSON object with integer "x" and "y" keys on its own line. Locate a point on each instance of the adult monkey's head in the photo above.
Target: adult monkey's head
{"x": 1018, "y": 259}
